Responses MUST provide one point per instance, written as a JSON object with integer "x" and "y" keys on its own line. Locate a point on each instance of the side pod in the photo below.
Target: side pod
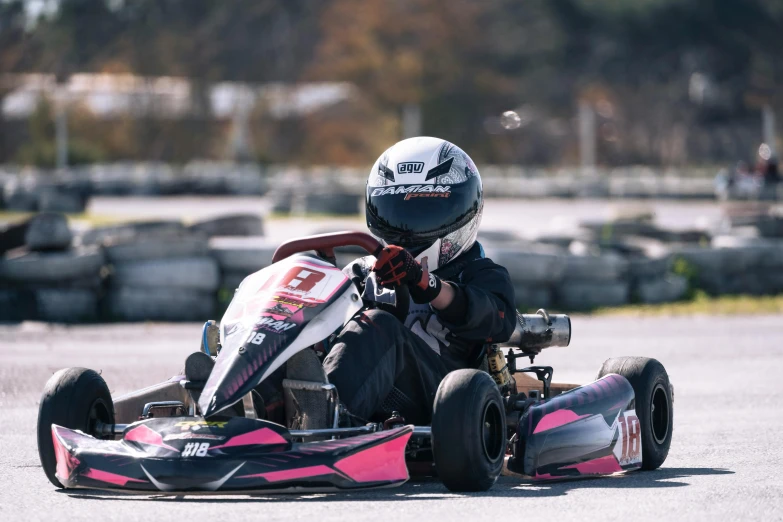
{"x": 590, "y": 430}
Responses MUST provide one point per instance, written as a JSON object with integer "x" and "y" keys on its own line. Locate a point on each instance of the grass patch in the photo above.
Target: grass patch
{"x": 7, "y": 216}
{"x": 702, "y": 304}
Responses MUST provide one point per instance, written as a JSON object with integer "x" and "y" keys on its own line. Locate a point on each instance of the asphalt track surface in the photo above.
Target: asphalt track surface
{"x": 725, "y": 462}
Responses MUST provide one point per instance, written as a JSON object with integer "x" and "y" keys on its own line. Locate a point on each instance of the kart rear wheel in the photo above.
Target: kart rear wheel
{"x": 75, "y": 398}
{"x": 468, "y": 431}
{"x": 654, "y": 404}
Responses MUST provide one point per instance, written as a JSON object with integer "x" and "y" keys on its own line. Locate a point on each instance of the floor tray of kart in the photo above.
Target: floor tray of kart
{"x": 205, "y": 430}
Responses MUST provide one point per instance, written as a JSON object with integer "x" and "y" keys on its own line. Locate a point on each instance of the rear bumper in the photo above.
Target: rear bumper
{"x": 590, "y": 430}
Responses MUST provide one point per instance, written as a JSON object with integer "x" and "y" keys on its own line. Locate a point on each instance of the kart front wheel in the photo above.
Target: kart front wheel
{"x": 468, "y": 431}
{"x": 654, "y": 404}
{"x": 75, "y": 398}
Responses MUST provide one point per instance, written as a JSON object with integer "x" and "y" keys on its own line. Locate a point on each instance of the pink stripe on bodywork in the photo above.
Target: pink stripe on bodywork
{"x": 262, "y": 436}
{"x": 384, "y": 462}
{"x": 66, "y": 462}
{"x": 293, "y": 474}
{"x": 111, "y": 478}
{"x": 600, "y": 466}
{"x": 556, "y": 419}
{"x": 145, "y": 435}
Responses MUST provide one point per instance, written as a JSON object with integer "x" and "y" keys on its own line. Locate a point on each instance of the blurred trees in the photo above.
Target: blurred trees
{"x": 672, "y": 81}
{"x": 40, "y": 148}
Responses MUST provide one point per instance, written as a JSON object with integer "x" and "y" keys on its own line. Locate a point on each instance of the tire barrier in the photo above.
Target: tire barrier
{"x": 242, "y": 254}
{"x": 158, "y": 304}
{"x": 48, "y": 231}
{"x": 58, "y": 200}
{"x": 541, "y": 266}
{"x": 234, "y": 225}
{"x": 191, "y": 273}
{"x": 23, "y": 187}
{"x": 666, "y": 289}
{"x": 159, "y": 272}
{"x": 155, "y": 247}
{"x": 604, "y": 267}
{"x": 585, "y": 295}
{"x": 66, "y": 305}
{"x": 531, "y": 297}
{"x": 166, "y": 271}
{"x": 43, "y": 278}
{"x": 39, "y": 193}
{"x": 330, "y": 201}
{"x": 69, "y": 190}
{"x": 51, "y": 267}
{"x": 130, "y": 232}
{"x": 42, "y": 232}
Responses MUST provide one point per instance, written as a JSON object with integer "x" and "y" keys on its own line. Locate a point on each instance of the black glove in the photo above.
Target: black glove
{"x": 396, "y": 266}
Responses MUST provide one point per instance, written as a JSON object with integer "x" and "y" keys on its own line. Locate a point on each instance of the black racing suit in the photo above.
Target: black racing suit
{"x": 380, "y": 365}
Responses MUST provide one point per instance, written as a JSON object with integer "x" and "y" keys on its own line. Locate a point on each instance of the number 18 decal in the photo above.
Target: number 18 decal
{"x": 632, "y": 438}
{"x": 195, "y": 449}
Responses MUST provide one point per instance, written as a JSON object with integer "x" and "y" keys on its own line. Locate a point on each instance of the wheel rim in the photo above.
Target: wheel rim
{"x": 659, "y": 414}
{"x": 99, "y": 412}
{"x": 493, "y": 438}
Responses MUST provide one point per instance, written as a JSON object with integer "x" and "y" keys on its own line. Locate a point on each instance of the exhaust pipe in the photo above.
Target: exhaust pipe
{"x": 540, "y": 330}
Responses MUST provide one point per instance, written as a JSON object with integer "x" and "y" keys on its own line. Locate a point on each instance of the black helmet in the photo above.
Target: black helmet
{"x": 424, "y": 194}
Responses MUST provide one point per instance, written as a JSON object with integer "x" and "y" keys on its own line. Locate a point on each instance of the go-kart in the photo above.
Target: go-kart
{"x": 205, "y": 431}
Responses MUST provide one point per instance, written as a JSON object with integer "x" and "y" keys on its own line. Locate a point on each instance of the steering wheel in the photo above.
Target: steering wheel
{"x": 324, "y": 245}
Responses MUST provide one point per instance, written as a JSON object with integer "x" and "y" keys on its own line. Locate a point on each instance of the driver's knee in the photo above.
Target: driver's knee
{"x": 379, "y": 318}
{"x": 378, "y": 324}
{"x": 368, "y": 336}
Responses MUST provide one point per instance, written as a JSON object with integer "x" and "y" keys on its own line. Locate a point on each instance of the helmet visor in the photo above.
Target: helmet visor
{"x": 414, "y": 216}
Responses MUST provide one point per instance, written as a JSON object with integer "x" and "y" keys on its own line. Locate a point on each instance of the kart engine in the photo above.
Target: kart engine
{"x": 533, "y": 333}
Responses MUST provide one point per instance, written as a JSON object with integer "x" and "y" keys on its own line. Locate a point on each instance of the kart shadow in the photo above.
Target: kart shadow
{"x": 432, "y": 489}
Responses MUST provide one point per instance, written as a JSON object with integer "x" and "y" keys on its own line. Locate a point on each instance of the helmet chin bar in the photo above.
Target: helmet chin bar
{"x": 431, "y": 254}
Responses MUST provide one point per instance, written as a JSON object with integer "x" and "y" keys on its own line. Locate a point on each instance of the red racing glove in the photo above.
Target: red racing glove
{"x": 396, "y": 266}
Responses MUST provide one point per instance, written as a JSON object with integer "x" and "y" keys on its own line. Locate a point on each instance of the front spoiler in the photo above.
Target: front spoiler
{"x": 260, "y": 459}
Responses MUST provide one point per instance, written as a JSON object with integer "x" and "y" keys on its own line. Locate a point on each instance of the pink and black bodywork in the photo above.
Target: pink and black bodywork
{"x": 237, "y": 454}
{"x": 206, "y": 430}
{"x": 590, "y": 430}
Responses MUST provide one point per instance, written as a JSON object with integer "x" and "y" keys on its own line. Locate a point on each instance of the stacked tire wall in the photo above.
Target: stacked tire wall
{"x": 322, "y": 189}
{"x": 166, "y": 271}
{"x": 615, "y": 263}
{"x": 44, "y": 277}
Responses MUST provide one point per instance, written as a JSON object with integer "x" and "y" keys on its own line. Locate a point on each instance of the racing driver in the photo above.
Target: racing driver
{"x": 435, "y": 299}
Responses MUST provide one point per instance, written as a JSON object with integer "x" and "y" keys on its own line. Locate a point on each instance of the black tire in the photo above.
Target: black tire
{"x": 163, "y": 303}
{"x": 74, "y": 398}
{"x": 51, "y": 267}
{"x": 187, "y": 273}
{"x": 141, "y": 248}
{"x": 48, "y": 231}
{"x": 234, "y": 225}
{"x": 468, "y": 431}
{"x": 654, "y": 404}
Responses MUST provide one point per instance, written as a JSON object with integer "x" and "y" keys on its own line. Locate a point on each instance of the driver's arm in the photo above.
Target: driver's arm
{"x": 482, "y": 307}
{"x": 444, "y": 298}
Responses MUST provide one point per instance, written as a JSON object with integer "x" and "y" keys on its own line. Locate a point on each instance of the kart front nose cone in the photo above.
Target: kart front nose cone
{"x": 232, "y": 377}
{"x": 210, "y": 404}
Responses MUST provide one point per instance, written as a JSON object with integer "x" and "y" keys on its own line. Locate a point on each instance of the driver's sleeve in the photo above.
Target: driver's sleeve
{"x": 483, "y": 310}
